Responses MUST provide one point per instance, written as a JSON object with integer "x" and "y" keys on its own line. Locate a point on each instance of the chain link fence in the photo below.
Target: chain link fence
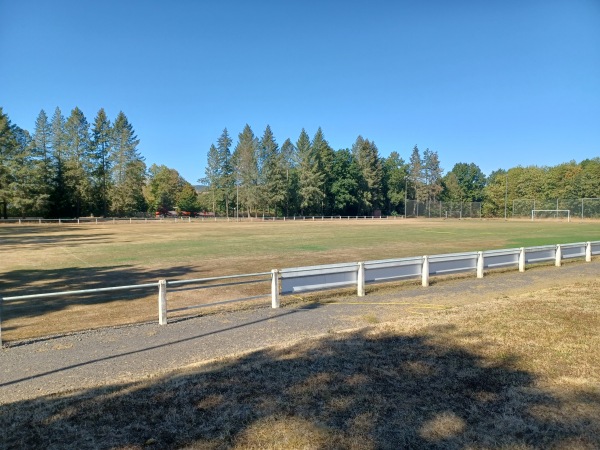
{"x": 444, "y": 210}
{"x": 584, "y": 208}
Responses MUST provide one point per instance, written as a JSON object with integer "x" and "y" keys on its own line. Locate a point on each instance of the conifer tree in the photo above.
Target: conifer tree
{"x": 367, "y": 157}
{"x": 60, "y": 197}
{"x": 226, "y": 169}
{"x": 272, "y": 180}
{"x": 101, "y": 153}
{"x": 28, "y": 194}
{"x": 128, "y": 169}
{"x": 42, "y": 138}
{"x": 324, "y": 157}
{"x": 8, "y": 150}
{"x": 433, "y": 175}
{"x": 212, "y": 175}
{"x": 288, "y": 167}
{"x": 78, "y": 166}
{"x": 246, "y": 169}
{"x": 310, "y": 180}
{"x": 346, "y": 181}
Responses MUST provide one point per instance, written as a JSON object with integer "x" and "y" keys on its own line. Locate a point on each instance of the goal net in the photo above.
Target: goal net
{"x": 551, "y": 214}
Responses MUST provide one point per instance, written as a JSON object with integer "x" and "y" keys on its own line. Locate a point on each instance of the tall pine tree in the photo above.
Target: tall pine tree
{"x": 367, "y": 157}
{"x": 78, "y": 165}
{"x": 128, "y": 169}
{"x": 246, "y": 169}
{"x": 212, "y": 175}
{"x": 61, "y": 197}
{"x": 101, "y": 147}
{"x": 324, "y": 158}
{"x": 310, "y": 179}
{"x": 8, "y": 157}
{"x": 271, "y": 175}
{"x": 42, "y": 138}
{"x": 226, "y": 169}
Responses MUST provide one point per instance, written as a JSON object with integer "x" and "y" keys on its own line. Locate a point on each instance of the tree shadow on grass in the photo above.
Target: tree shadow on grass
{"x": 15, "y": 238}
{"x": 355, "y": 390}
{"x": 26, "y": 282}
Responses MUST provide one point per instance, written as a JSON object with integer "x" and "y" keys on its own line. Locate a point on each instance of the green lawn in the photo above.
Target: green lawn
{"x": 225, "y": 248}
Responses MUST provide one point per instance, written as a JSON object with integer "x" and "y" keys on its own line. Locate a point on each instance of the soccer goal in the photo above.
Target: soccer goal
{"x": 551, "y": 214}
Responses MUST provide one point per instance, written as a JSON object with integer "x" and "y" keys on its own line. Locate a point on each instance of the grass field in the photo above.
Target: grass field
{"x": 45, "y": 258}
{"x": 518, "y": 373}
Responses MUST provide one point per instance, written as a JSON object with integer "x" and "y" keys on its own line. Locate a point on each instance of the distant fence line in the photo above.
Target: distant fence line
{"x": 334, "y": 276}
{"x": 98, "y": 220}
{"x": 445, "y": 210}
{"x": 584, "y": 208}
{"x": 310, "y": 218}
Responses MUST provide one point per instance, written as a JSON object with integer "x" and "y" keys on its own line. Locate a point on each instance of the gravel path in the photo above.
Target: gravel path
{"x": 112, "y": 355}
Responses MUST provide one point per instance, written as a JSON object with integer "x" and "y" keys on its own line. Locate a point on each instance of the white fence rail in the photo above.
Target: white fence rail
{"x": 333, "y": 276}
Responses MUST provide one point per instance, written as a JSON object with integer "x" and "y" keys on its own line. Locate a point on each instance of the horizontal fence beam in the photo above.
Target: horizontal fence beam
{"x": 81, "y": 291}
{"x": 226, "y": 277}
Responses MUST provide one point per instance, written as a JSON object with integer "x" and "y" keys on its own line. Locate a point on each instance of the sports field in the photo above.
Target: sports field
{"x": 47, "y": 258}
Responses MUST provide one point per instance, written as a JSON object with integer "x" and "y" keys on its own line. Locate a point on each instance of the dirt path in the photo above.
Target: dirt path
{"x": 113, "y": 355}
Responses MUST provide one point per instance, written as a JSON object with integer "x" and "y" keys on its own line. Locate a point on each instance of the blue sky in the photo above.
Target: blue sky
{"x": 497, "y": 83}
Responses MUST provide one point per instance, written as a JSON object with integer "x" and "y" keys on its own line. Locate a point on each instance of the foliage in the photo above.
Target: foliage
{"x": 67, "y": 168}
{"x": 395, "y": 175}
{"x": 164, "y": 188}
{"x": 8, "y": 157}
{"x": 246, "y": 169}
{"x": 310, "y": 179}
{"x": 465, "y": 182}
{"x": 367, "y": 158}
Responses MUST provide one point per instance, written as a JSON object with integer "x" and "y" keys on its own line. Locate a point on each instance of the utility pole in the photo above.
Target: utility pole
{"x": 505, "y": 195}
{"x": 405, "y": 195}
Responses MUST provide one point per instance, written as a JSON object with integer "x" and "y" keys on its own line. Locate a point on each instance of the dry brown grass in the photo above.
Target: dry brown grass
{"x": 513, "y": 373}
{"x": 50, "y": 258}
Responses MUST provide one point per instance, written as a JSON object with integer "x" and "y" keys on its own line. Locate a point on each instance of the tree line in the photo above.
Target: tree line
{"x": 308, "y": 177}
{"x": 257, "y": 176}
{"x": 67, "y": 167}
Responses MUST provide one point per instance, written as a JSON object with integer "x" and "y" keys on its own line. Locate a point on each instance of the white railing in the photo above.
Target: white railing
{"x": 332, "y": 276}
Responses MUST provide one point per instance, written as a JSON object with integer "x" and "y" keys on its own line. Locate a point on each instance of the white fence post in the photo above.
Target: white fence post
{"x": 425, "y": 271}
{"x": 360, "y": 280}
{"x": 522, "y": 259}
{"x": 588, "y": 252}
{"x": 162, "y": 302}
{"x": 558, "y": 259}
{"x": 275, "y": 302}
{"x": 480, "y": 265}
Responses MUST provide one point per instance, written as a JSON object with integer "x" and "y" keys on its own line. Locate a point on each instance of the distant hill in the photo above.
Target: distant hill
{"x": 200, "y": 188}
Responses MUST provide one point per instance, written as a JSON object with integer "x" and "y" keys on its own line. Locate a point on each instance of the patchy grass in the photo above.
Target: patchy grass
{"x": 515, "y": 373}
{"x": 46, "y": 258}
